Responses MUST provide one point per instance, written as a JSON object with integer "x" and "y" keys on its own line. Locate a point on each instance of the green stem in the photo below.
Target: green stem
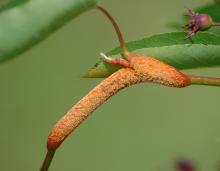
{"x": 205, "y": 81}
{"x": 47, "y": 161}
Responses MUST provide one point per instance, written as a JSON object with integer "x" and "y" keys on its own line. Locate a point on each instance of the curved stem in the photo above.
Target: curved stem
{"x": 116, "y": 27}
{"x": 47, "y": 161}
{"x": 205, "y": 81}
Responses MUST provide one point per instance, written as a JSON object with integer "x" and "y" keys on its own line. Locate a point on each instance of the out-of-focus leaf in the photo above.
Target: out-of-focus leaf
{"x": 4, "y": 4}
{"x": 26, "y": 24}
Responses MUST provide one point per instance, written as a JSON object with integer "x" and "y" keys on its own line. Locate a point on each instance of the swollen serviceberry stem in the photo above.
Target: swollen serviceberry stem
{"x": 135, "y": 69}
{"x": 141, "y": 69}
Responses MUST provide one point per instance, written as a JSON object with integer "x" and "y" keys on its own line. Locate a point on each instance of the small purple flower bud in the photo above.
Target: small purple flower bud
{"x": 198, "y": 22}
{"x": 185, "y": 165}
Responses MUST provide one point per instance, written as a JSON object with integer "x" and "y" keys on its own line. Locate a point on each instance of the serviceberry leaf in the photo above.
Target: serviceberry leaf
{"x": 27, "y": 23}
{"x": 202, "y": 50}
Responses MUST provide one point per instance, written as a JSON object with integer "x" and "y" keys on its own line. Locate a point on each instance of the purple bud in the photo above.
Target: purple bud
{"x": 198, "y": 22}
{"x": 204, "y": 21}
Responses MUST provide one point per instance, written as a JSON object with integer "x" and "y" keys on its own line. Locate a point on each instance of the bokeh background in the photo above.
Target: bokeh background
{"x": 144, "y": 127}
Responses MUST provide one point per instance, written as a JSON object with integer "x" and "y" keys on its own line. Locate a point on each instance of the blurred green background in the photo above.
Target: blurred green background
{"x": 144, "y": 127}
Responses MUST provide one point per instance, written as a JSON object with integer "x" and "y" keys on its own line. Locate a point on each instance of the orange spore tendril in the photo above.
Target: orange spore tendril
{"x": 144, "y": 69}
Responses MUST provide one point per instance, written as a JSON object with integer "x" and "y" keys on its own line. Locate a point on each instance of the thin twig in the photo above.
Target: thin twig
{"x": 205, "y": 81}
{"x": 116, "y": 27}
{"x": 216, "y": 24}
{"x": 48, "y": 158}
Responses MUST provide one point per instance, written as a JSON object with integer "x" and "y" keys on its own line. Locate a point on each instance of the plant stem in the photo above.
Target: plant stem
{"x": 205, "y": 81}
{"x": 216, "y": 24}
{"x": 47, "y": 161}
{"x": 116, "y": 27}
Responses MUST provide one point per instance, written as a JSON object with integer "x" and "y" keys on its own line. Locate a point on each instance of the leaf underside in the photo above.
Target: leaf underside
{"x": 30, "y": 21}
{"x": 203, "y": 50}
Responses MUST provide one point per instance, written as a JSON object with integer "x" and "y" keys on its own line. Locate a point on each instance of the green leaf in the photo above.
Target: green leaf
{"x": 203, "y": 50}
{"x": 212, "y": 9}
{"x": 28, "y": 23}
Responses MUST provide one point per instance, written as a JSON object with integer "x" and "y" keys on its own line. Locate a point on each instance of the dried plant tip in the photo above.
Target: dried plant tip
{"x": 185, "y": 165}
{"x": 115, "y": 61}
{"x": 198, "y": 22}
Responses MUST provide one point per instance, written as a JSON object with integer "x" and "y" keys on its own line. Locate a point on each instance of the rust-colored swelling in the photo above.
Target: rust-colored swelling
{"x": 155, "y": 71}
{"x": 143, "y": 69}
{"x": 88, "y": 104}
